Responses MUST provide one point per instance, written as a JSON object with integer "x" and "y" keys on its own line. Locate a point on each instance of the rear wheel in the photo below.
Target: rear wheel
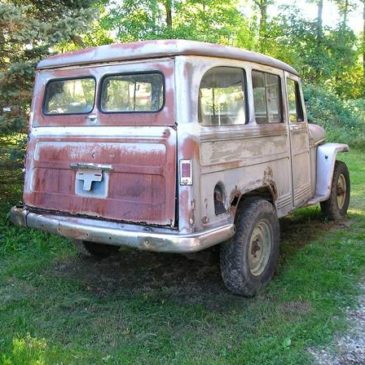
{"x": 98, "y": 250}
{"x": 248, "y": 260}
{"x": 335, "y": 208}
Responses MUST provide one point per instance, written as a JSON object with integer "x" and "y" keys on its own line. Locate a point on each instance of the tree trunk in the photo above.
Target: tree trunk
{"x": 262, "y": 5}
{"x": 168, "y": 9}
{"x": 319, "y": 21}
{"x": 345, "y": 13}
{"x": 363, "y": 38}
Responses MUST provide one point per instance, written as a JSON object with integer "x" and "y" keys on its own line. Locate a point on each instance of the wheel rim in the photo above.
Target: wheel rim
{"x": 341, "y": 191}
{"x": 259, "y": 248}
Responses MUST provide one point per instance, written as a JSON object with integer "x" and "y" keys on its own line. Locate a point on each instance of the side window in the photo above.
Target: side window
{"x": 294, "y": 102}
{"x": 267, "y": 97}
{"x": 222, "y": 98}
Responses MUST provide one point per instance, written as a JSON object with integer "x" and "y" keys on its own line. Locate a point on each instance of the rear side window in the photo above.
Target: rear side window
{"x": 267, "y": 97}
{"x": 69, "y": 96}
{"x": 294, "y": 102}
{"x": 132, "y": 93}
{"x": 222, "y": 98}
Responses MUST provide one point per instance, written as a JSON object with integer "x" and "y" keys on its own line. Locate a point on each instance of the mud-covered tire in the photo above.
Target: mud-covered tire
{"x": 248, "y": 260}
{"x": 335, "y": 208}
{"x": 97, "y": 250}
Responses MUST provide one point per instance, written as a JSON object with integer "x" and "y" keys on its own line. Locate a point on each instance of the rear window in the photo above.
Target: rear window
{"x": 70, "y": 96}
{"x": 132, "y": 93}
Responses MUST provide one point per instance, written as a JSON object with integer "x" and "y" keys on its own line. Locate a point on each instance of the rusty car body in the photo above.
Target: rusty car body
{"x": 162, "y": 143}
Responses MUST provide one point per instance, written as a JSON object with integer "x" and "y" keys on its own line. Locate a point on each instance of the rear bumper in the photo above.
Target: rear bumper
{"x": 118, "y": 234}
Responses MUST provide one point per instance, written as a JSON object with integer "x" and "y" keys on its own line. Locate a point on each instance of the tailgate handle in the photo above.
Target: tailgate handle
{"x": 90, "y": 166}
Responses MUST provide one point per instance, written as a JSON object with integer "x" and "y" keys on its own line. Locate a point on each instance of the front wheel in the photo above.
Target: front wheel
{"x": 249, "y": 258}
{"x": 335, "y": 208}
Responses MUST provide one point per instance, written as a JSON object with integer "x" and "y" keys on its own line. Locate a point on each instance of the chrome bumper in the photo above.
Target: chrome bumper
{"x": 118, "y": 234}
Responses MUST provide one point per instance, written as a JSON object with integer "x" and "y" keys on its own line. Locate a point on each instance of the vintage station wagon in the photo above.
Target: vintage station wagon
{"x": 176, "y": 146}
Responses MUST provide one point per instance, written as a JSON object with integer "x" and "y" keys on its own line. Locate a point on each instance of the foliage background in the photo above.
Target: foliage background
{"x": 330, "y": 59}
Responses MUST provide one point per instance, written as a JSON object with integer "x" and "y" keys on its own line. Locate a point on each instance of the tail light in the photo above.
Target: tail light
{"x": 186, "y": 172}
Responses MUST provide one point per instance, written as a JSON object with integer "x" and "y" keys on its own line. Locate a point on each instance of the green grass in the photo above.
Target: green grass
{"x": 144, "y": 308}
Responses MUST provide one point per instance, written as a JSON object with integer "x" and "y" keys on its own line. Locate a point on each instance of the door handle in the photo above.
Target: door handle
{"x": 92, "y": 118}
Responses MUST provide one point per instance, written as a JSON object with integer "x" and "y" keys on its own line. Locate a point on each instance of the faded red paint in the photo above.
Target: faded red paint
{"x": 141, "y": 184}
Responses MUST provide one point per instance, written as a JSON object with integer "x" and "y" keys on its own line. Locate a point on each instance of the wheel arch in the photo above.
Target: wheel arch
{"x": 325, "y": 161}
{"x": 267, "y": 192}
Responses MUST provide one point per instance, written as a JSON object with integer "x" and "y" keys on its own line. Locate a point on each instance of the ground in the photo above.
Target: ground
{"x": 58, "y": 307}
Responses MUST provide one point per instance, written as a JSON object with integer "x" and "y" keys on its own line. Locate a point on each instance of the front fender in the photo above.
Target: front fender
{"x": 326, "y": 158}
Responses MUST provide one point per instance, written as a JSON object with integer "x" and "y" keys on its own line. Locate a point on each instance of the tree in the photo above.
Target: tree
{"x": 345, "y": 7}
{"x": 263, "y": 6}
{"x": 363, "y": 39}
{"x": 319, "y": 21}
{"x": 207, "y": 20}
{"x": 30, "y": 29}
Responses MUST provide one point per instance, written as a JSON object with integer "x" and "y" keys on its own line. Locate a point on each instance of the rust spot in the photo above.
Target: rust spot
{"x": 234, "y": 199}
{"x": 270, "y": 183}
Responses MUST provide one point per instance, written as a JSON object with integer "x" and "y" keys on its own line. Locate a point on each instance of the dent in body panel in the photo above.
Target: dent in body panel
{"x": 219, "y": 152}
{"x": 246, "y": 164}
{"x": 244, "y": 180}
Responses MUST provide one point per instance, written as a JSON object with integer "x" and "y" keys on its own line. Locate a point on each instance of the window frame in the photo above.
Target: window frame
{"x": 68, "y": 79}
{"x": 281, "y": 101}
{"x": 245, "y": 97}
{"x": 100, "y": 91}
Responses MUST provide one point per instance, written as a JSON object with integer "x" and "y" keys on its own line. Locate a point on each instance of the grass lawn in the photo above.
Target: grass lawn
{"x": 143, "y": 308}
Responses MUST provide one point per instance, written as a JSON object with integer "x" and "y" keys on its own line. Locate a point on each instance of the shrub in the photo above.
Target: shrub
{"x": 344, "y": 121}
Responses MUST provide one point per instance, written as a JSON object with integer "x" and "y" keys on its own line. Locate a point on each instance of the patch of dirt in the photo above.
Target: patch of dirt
{"x": 349, "y": 348}
{"x": 185, "y": 280}
{"x": 303, "y": 230}
{"x": 296, "y": 307}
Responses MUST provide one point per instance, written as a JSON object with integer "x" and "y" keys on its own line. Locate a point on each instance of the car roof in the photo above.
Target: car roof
{"x": 157, "y": 49}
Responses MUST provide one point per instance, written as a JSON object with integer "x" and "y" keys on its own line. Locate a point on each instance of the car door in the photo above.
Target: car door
{"x": 299, "y": 141}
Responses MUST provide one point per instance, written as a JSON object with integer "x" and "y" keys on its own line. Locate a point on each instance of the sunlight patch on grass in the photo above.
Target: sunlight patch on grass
{"x": 26, "y": 351}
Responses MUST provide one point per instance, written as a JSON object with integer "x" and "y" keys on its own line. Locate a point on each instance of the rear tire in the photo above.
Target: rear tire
{"x": 97, "y": 250}
{"x": 335, "y": 208}
{"x": 248, "y": 260}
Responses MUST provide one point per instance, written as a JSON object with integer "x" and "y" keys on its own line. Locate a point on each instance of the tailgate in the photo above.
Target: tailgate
{"x": 118, "y": 173}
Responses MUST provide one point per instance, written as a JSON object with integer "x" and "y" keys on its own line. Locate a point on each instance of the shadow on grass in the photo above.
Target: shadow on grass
{"x": 185, "y": 280}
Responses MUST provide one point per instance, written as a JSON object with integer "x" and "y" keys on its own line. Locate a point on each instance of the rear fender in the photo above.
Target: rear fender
{"x": 326, "y": 158}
